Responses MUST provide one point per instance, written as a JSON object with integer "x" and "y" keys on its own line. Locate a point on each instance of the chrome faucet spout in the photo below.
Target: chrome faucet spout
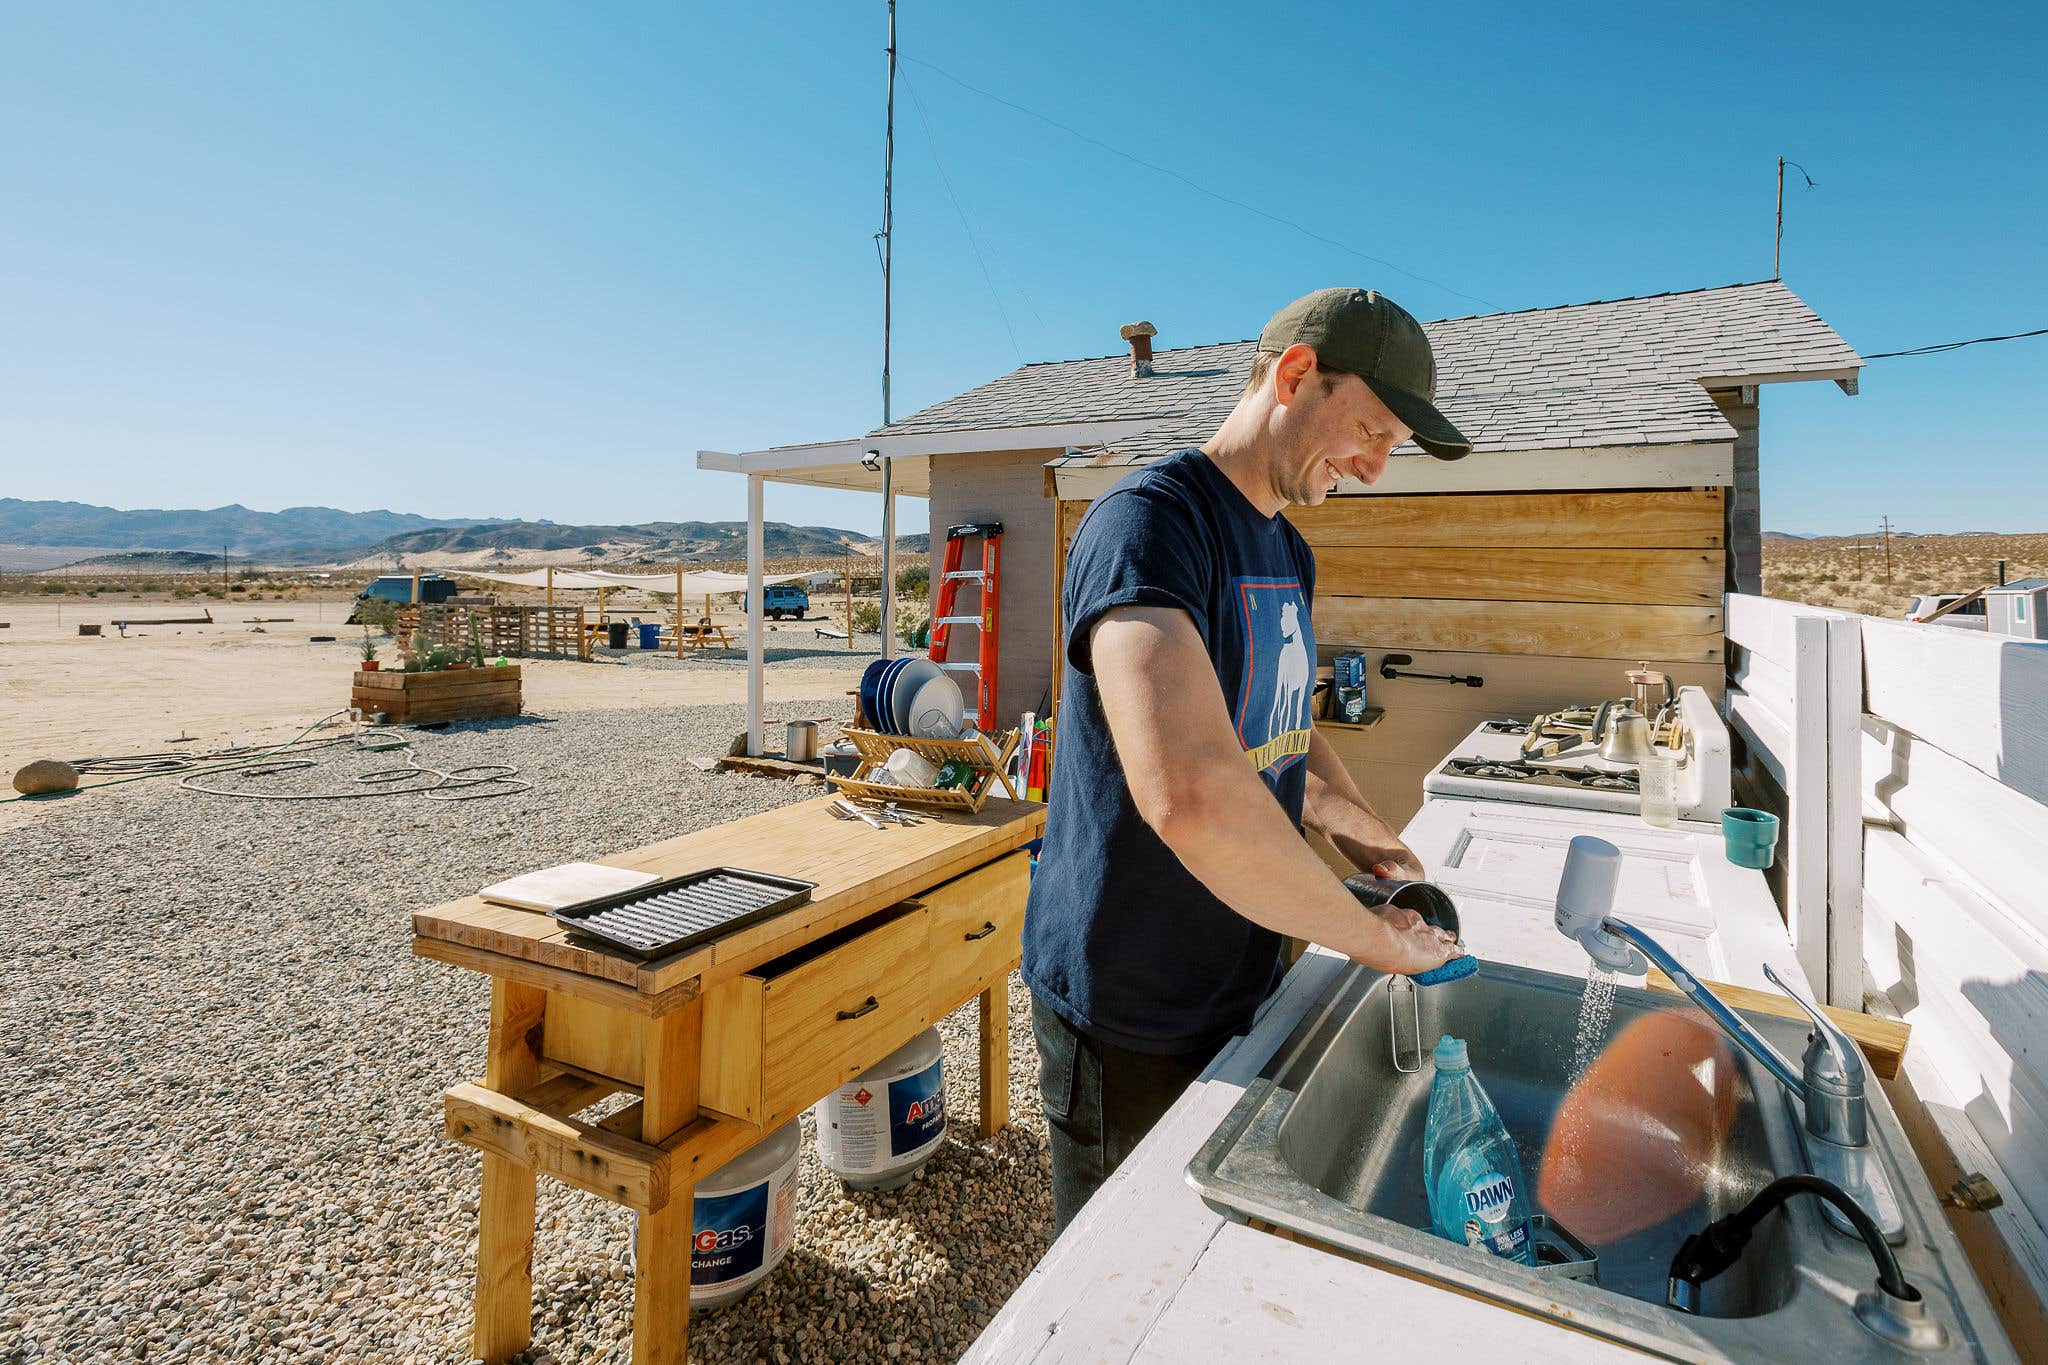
{"x": 1729, "y": 1022}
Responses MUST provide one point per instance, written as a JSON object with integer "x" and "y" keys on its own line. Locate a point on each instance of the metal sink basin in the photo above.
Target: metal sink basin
{"x": 1327, "y": 1143}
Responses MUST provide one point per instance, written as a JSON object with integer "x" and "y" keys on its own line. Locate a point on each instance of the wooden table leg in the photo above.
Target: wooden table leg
{"x": 995, "y": 1056}
{"x": 505, "y": 1219}
{"x": 661, "y": 1282}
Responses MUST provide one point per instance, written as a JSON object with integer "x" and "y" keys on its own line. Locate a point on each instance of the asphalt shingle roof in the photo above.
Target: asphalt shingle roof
{"x": 1625, "y": 372}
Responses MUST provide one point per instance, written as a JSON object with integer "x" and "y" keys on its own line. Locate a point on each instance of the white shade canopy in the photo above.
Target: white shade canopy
{"x": 698, "y": 584}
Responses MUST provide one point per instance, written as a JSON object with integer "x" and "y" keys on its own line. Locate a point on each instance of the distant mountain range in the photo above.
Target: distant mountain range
{"x": 692, "y": 542}
{"x": 175, "y": 539}
{"x": 242, "y": 531}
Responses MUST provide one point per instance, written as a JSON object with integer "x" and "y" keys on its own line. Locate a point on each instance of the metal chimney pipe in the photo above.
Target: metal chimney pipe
{"x": 1140, "y": 335}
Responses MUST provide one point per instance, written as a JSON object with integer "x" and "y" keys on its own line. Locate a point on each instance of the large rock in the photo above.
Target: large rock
{"x": 46, "y": 775}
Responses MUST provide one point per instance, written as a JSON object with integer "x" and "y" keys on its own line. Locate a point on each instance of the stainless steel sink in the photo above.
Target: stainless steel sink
{"x": 1327, "y": 1143}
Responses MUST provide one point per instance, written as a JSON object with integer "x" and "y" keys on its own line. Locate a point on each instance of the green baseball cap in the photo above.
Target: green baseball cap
{"x": 1363, "y": 332}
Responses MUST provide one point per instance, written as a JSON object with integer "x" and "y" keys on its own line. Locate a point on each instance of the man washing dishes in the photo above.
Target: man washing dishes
{"x": 1188, "y": 759}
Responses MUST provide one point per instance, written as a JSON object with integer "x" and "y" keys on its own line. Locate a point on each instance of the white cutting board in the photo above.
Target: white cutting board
{"x": 551, "y": 888}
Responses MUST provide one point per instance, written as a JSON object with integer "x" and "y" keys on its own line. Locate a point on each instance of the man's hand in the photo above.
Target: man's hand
{"x": 1418, "y": 944}
{"x": 1338, "y": 811}
{"x": 1402, "y": 866}
{"x": 1192, "y": 783}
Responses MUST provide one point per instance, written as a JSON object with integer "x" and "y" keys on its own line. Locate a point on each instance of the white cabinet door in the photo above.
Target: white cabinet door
{"x": 1500, "y": 861}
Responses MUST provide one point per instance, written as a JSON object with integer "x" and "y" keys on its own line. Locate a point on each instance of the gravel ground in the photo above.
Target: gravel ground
{"x": 222, "y": 1109}
{"x": 793, "y": 645}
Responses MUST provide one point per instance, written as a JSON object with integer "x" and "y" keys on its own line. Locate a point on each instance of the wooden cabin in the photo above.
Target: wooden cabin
{"x": 1611, "y": 497}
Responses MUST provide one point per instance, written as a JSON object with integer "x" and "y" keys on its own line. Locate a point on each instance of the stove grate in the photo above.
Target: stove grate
{"x": 680, "y": 912}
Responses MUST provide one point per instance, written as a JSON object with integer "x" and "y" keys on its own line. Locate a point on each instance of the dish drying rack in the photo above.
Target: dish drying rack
{"x": 986, "y": 756}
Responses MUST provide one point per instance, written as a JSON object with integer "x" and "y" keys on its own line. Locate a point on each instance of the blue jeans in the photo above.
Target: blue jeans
{"x": 1100, "y": 1101}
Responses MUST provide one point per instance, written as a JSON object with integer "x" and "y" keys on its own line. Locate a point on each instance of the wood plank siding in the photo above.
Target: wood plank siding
{"x": 1006, "y": 486}
{"x": 1546, "y": 596}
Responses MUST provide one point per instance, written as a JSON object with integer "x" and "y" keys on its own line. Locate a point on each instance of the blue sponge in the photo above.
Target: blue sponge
{"x": 1456, "y": 969}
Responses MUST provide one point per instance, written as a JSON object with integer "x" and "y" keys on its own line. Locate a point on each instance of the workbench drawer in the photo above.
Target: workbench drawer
{"x": 782, "y": 1036}
{"x": 977, "y": 927}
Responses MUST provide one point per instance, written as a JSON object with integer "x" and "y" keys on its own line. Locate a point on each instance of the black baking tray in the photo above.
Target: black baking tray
{"x": 681, "y": 912}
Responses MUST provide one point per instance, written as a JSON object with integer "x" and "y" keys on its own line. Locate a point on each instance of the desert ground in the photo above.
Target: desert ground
{"x": 241, "y": 681}
{"x": 1849, "y": 573}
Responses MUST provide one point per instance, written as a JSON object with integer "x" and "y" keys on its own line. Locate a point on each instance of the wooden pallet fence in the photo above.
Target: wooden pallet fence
{"x": 514, "y": 632}
{"x": 451, "y": 694}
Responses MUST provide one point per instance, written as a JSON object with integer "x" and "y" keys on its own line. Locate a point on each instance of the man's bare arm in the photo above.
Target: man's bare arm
{"x": 1194, "y": 786}
{"x": 1338, "y": 811}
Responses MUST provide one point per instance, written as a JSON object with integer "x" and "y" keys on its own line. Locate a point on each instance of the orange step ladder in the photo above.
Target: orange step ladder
{"x": 989, "y": 578}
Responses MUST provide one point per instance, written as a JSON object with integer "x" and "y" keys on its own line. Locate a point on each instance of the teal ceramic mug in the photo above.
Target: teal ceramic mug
{"x": 1751, "y": 836}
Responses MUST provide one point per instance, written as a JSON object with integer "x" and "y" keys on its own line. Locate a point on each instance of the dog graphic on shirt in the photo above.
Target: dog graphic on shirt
{"x": 1291, "y": 685}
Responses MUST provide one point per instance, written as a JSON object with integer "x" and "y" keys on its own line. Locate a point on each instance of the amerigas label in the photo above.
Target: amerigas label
{"x": 874, "y": 1128}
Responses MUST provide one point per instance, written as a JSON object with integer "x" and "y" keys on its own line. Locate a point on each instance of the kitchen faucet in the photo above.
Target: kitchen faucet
{"x": 1826, "y": 1093}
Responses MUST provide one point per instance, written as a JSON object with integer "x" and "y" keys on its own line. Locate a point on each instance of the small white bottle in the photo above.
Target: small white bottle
{"x": 1659, "y": 782}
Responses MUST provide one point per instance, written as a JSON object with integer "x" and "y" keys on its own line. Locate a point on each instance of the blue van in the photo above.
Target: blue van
{"x": 397, "y": 587}
{"x": 780, "y": 599}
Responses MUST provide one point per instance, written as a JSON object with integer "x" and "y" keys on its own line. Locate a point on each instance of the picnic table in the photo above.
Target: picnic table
{"x": 703, "y": 633}
{"x": 723, "y": 1042}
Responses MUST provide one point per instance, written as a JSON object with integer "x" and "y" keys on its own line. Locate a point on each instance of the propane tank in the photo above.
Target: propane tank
{"x": 875, "y": 1132}
{"x": 743, "y": 1217}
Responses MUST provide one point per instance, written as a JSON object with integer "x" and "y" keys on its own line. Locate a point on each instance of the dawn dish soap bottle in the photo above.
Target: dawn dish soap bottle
{"x": 1470, "y": 1172}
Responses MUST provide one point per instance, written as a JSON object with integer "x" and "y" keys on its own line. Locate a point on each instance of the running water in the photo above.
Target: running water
{"x": 1596, "y": 1008}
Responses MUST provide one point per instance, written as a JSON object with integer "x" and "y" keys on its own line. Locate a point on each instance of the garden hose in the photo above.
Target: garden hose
{"x": 256, "y": 761}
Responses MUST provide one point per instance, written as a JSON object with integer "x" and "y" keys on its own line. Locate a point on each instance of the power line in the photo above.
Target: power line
{"x": 1199, "y": 187}
{"x": 1941, "y": 346}
{"x": 932, "y": 141}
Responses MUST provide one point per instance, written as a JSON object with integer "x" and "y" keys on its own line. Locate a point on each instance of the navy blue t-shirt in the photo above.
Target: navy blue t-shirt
{"x": 1119, "y": 937}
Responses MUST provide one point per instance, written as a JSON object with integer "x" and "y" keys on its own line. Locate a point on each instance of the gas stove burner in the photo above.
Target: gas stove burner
{"x": 1545, "y": 774}
{"x": 1506, "y": 727}
{"x": 1480, "y": 767}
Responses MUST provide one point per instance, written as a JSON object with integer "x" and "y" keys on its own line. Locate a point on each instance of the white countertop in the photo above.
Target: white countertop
{"x": 1149, "y": 1272}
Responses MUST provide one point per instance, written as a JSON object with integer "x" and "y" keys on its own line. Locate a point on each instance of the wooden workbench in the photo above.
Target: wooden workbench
{"x": 724, "y": 1043}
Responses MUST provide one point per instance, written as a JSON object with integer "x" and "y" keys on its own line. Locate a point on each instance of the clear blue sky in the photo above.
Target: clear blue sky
{"x": 524, "y": 259}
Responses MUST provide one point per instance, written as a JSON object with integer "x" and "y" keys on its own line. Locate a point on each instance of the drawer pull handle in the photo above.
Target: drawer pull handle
{"x": 987, "y": 927}
{"x": 868, "y": 1008}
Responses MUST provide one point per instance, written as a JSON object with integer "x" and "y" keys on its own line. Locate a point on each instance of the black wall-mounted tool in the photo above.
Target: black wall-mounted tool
{"x": 1392, "y": 664}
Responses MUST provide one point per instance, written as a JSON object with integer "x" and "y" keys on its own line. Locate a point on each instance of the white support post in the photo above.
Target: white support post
{"x": 756, "y": 486}
{"x": 1845, "y": 813}
{"x": 888, "y": 563}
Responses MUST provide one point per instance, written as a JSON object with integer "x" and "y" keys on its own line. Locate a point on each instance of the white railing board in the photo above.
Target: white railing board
{"x": 2004, "y": 1116}
{"x": 2021, "y": 1236}
{"x": 1844, "y": 759}
{"x": 1768, "y": 735}
{"x": 1979, "y": 697}
{"x": 1767, "y": 681}
{"x": 1766, "y": 625}
{"x": 1938, "y": 944}
{"x": 1995, "y": 837}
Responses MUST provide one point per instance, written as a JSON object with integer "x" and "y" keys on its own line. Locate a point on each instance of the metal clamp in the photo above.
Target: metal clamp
{"x": 1392, "y": 664}
{"x": 869, "y": 1008}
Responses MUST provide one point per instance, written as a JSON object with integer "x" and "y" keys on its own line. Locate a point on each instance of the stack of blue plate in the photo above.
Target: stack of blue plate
{"x": 911, "y": 696}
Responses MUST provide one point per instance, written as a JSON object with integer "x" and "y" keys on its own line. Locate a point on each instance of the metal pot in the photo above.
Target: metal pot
{"x": 1426, "y": 899}
{"x": 800, "y": 741}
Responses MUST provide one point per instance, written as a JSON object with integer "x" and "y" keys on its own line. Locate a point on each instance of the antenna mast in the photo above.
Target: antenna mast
{"x": 1778, "y": 249}
{"x": 888, "y": 238}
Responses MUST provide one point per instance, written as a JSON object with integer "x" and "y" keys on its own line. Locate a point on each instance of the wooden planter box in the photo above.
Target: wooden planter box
{"x": 453, "y": 694}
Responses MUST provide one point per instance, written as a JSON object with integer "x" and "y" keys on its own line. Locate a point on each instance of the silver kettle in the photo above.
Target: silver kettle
{"x": 1624, "y": 733}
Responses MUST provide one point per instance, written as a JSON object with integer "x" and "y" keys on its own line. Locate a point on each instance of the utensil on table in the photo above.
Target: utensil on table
{"x": 866, "y": 816}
